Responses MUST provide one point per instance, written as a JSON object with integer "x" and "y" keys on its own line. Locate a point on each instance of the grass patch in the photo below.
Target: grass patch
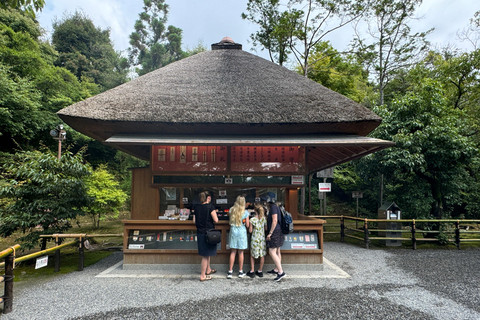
{"x": 25, "y": 273}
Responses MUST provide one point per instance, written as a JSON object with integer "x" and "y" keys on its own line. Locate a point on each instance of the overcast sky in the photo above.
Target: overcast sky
{"x": 208, "y": 21}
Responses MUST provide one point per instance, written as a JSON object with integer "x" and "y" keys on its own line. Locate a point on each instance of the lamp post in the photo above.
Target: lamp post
{"x": 61, "y": 135}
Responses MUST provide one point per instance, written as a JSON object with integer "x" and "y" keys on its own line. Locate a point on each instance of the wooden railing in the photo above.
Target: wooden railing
{"x": 10, "y": 260}
{"x": 454, "y": 231}
{"x": 7, "y": 278}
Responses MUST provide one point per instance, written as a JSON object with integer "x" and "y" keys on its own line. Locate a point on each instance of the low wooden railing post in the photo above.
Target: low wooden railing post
{"x": 58, "y": 241}
{"x": 81, "y": 254}
{"x": 44, "y": 244}
{"x": 342, "y": 229}
{"x": 365, "y": 232}
{"x": 414, "y": 236}
{"x": 457, "y": 234}
{"x": 8, "y": 291}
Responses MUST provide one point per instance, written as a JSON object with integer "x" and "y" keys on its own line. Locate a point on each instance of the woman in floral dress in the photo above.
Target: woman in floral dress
{"x": 258, "y": 248}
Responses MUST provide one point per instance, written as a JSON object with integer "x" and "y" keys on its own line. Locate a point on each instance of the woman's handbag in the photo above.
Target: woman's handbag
{"x": 214, "y": 236}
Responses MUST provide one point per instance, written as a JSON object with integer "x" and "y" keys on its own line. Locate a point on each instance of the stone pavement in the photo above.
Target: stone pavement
{"x": 355, "y": 283}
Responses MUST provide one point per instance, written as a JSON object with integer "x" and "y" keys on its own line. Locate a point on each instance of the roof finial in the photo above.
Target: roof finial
{"x": 226, "y": 43}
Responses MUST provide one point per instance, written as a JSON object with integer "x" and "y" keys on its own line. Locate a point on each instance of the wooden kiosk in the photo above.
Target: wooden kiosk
{"x": 231, "y": 123}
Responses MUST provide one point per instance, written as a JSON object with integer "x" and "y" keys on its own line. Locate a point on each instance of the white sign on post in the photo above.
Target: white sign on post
{"x": 41, "y": 262}
{"x": 326, "y": 173}
{"x": 357, "y": 194}
{"x": 324, "y": 187}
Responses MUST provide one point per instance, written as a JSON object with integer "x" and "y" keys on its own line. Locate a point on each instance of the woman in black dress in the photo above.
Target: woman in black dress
{"x": 204, "y": 218}
{"x": 274, "y": 237}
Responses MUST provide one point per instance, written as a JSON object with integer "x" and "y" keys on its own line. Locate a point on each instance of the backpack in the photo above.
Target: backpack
{"x": 286, "y": 222}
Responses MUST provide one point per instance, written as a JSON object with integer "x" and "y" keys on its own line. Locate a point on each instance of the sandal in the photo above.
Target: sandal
{"x": 206, "y": 278}
{"x": 212, "y": 271}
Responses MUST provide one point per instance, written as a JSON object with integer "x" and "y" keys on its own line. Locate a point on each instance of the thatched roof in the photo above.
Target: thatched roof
{"x": 222, "y": 91}
{"x": 217, "y": 89}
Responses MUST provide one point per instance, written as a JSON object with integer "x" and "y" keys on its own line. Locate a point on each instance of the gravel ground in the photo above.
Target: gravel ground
{"x": 383, "y": 284}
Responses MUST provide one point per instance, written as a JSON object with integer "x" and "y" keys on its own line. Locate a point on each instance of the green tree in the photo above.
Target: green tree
{"x": 391, "y": 45}
{"x": 29, "y": 6}
{"x": 338, "y": 72}
{"x": 275, "y": 27}
{"x": 152, "y": 44}
{"x": 32, "y": 88}
{"x": 87, "y": 51}
{"x": 432, "y": 156}
{"x": 299, "y": 28}
{"x": 107, "y": 196}
{"x": 41, "y": 194}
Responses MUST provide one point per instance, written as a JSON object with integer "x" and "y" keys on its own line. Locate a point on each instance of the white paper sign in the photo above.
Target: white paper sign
{"x": 136, "y": 246}
{"x": 41, "y": 262}
{"x": 324, "y": 187}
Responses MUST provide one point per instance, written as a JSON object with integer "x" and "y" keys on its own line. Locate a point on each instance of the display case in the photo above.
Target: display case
{"x": 175, "y": 241}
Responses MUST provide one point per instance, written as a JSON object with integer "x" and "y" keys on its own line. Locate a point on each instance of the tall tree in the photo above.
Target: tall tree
{"x": 432, "y": 155}
{"x": 152, "y": 44}
{"x": 32, "y": 88}
{"x": 303, "y": 25}
{"x": 338, "y": 72}
{"x": 391, "y": 45}
{"x": 472, "y": 32}
{"x": 275, "y": 27}
{"x": 87, "y": 51}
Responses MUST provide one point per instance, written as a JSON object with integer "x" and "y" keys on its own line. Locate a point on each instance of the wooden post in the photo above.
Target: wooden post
{"x": 414, "y": 237}
{"x": 342, "y": 229}
{"x": 8, "y": 291}
{"x": 365, "y": 232}
{"x": 58, "y": 241}
{"x": 457, "y": 234}
{"x": 81, "y": 254}
{"x": 44, "y": 244}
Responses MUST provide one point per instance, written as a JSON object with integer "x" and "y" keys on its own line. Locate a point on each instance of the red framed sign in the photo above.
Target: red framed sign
{"x": 219, "y": 159}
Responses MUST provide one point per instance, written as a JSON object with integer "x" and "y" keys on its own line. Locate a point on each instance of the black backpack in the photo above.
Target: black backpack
{"x": 286, "y": 222}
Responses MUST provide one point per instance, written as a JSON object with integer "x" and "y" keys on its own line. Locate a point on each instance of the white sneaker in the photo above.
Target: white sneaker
{"x": 229, "y": 275}
{"x": 241, "y": 274}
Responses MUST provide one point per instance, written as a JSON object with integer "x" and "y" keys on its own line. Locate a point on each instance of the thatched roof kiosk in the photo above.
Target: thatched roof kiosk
{"x": 231, "y": 123}
{"x": 230, "y": 97}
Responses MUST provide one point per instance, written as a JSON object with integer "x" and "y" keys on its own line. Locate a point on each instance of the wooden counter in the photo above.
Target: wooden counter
{"x": 303, "y": 226}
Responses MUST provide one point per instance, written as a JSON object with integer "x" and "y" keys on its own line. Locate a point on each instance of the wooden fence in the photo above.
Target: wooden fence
{"x": 424, "y": 230}
{"x": 10, "y": 260}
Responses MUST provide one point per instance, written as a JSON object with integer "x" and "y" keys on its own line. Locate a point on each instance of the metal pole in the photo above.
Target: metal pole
{"x": 356, "y": 221}
{"x": 59, "y": 147}
{"x": 310, "y": 194}
{"x": 325, "y": 199}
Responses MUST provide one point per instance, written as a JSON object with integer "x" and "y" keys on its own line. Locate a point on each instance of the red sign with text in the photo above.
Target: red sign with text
{"x": 215, "y": 159}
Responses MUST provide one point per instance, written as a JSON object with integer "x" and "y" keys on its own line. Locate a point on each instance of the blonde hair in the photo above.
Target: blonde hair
{"x": 202, "y": 197}
{"x": 260, "y": 211}
{"x": 236, "y": 212}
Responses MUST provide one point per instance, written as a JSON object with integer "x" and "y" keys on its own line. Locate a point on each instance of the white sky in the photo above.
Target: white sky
{"x": 209, "y": 21}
